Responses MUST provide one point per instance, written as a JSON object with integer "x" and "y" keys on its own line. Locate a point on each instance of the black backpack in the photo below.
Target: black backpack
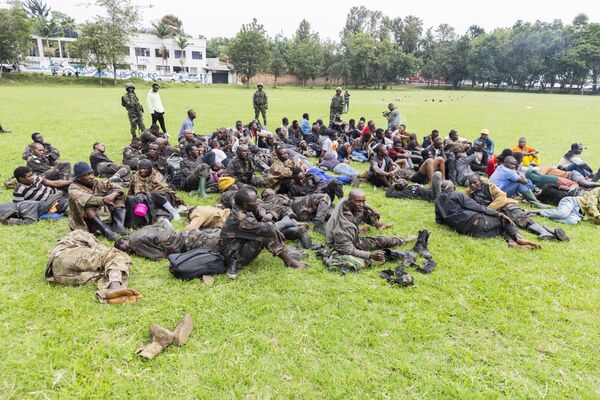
{"x": 174, "y": 174}
{"x": 196, "y": 263}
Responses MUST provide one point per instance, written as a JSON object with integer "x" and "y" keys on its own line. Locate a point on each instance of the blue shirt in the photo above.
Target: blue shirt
{"x": 305, "y": 126}
{"x": 187, "y": 124}
{"x": 503, "y": 177}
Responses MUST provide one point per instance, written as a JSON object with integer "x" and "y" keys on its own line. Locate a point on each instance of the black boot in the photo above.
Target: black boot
{"x": 558, "y": 232}
{"x": 232, "y": 269}
{"x": 104, "y": 229}
{"x": 541, "y": 232}
{"x": 421, "y": 246}
{"x": 118, "y": 217}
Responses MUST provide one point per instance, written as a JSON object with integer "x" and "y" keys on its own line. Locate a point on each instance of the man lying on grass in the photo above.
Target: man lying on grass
{"x": 466, "y": 216}
{"x": 79, "y": 259}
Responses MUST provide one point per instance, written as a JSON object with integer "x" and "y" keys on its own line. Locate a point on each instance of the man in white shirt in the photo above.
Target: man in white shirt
{"x": 155, "y": 107}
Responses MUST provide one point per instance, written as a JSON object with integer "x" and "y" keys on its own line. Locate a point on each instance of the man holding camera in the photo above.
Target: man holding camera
{"x": 393, "y": 117}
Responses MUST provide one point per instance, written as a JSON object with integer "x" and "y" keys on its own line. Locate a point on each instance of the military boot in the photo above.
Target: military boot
{"x": 161, "y": 339}
{"x": 104, "y": 229}
{"x": 183, "y": 330}
{"x": 232, "y": 269}
{"x": 118, "y": 217}
{"x": 421, "y": 246}
{"x": 201, "y": 188}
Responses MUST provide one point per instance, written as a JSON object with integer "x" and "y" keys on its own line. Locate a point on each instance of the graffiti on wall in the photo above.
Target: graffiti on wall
{"x": 71, "y": 69}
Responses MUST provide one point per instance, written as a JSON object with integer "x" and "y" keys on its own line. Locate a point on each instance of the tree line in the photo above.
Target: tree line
{"x": 374, "y": 50}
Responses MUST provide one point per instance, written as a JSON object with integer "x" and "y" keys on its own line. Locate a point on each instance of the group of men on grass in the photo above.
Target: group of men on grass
{"x": 274, "y": 187}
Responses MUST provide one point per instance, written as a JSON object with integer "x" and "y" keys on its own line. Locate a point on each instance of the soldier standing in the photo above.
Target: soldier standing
{"x": 337, "y": 104}
{"x": 135, "y": 110}
{"x": 260, "y": 103}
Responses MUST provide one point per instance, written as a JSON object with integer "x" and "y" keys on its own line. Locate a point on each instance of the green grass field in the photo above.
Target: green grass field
{"x": 490, "y": 322}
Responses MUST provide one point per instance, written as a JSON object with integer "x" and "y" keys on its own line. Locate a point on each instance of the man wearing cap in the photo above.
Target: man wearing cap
{"x": 488, "y": 144}
{"x": 337, "y": 104}
{"x": 572, "y": 161}
{"x": 135, "y": 110}
{"x": 260, "y": 103}
{"x": 155, "y": 107}
{"x": 93, "y": 203}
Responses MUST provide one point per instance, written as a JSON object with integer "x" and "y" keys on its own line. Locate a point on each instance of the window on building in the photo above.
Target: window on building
{"x": 179, "y": 53}
{"x": 141, "y": 67}
{"x": 196, "y": 55}
{"x": 158, "y": 53}
{"x": 180, "y": 69}
{"x": 193, "y": 70}
{"x": 34, "y": 50}
{"x": 163, "y": 69}
{"x": 142, "y": 52}
{"x": 126, "y": 51}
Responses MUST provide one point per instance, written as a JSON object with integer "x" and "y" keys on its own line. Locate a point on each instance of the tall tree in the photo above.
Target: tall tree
{"x": 412, "y": 29}
{"x": 36, "y": 8}
{"x": 217, "y": 47}
{"x": 305, "y": 53}
{"x": 91, "y": 47}
{"x": 174, "y": 23}
{"x": 15, "y": 35}
{"x": 280, "y": 49}
{"x": 120, "y": 22}
{"x": 182, "y": 43}
{"x": 162, "y": 31}
{"x": 249, "y": 50}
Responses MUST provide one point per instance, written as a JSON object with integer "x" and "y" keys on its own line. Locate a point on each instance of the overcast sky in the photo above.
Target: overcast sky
{"x": 328, "y": 17}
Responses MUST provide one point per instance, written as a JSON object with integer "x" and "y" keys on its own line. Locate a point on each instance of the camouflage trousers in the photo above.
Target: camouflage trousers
{"x": 108, "y": 169}
{"x": 314, "y": 207}
{"x": 201, "y": 239}
{"x": 263, "y": 111}
{"x": 246, "y": 250}
{"x": 82, "y": 265}
{"x": 377, "y": 243}
{"x": 136, "y": 120}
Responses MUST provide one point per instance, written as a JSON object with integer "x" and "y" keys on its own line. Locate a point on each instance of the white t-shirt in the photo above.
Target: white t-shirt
{"x": 219, "y": 155}
{"x": 329, "y": 147}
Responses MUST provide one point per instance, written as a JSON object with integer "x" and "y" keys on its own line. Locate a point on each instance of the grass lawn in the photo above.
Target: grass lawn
{"x": 489, "y": 322}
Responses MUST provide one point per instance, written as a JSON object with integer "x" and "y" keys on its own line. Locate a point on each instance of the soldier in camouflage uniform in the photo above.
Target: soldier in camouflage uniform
{"x": 93, "y": 203}
{"x": 159, "y": 241}
{"x": 337, "y": 104}
{"x": 135, "y": 111}
{"x": 314, "y": 207}
{"x": 280, "y": 173}
{"x": 342, "y": 232}
{"x": 133, "y": 153}
{"x": 79, "y": 259}
{"x": 242, "y": 168}
{"x": 260, "y": 103}
{"x": 248, "y": 230}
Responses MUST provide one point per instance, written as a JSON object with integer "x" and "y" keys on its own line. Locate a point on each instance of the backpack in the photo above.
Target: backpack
{"x": 174, "y": 174}
{"x": 196, "y": 263}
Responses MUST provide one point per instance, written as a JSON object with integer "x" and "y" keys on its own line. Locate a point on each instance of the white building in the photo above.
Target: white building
{"x": 144, "y": 58}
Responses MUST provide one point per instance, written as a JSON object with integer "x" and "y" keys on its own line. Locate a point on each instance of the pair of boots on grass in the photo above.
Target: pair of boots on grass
{"x": 163, "y": 338}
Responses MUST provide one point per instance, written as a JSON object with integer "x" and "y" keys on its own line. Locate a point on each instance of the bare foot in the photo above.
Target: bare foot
{"x": 298, "y": 265}
{"x": 364, "y": 229}
{"x": 122, "y": 295}
{"x": 532, "y": 245}
{"x": 382, "y": 227}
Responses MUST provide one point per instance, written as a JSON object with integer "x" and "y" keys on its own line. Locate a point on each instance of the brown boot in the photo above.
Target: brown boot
{"x": 183, "y": 330}
{"x": 161, "y": 339}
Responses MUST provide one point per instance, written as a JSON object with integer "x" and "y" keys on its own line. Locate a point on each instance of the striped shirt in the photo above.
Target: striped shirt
{"x": 36, "y": 191}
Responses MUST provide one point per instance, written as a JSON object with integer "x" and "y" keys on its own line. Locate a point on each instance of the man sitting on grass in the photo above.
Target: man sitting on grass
{"x": 343, "y": 232}
{"x": 247, "y": 231}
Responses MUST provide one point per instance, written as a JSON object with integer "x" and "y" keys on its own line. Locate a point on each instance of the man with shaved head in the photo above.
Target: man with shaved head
{"x": 342, "y": 231}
